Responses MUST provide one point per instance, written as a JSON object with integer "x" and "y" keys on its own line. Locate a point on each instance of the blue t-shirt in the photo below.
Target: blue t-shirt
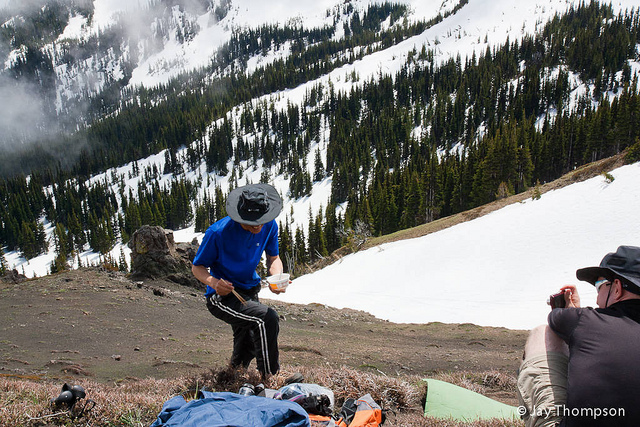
{"x": 233, "y": 253}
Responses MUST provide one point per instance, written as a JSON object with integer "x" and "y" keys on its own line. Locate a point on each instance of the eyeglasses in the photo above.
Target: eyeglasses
{"x": 599, "y": 283}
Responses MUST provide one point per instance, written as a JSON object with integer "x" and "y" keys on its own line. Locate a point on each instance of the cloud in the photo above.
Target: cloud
{"x": 20, "y": 6}
{"x": 30, "y": 134}
{"x": 23, "y": 114}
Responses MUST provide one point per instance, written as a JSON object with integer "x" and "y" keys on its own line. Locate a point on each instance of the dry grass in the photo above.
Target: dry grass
{"x": 482, "y": 383}
{"x": 389, "y": 392}
{"x": 25, "y": 402}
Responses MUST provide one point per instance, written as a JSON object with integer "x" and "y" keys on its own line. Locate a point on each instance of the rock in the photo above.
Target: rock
{"x": 155, "y": 255}
{"x": 12, "y": 276}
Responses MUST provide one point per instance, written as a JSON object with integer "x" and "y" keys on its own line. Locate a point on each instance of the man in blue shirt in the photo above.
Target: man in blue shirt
{"x": 226, "y": 262}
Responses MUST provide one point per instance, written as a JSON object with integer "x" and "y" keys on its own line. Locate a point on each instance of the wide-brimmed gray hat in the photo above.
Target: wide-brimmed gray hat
{"x": 254, "y": 204}
{"x": 623, "y": 264}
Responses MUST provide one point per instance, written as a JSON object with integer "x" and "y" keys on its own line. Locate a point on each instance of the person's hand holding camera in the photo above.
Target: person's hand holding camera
{"x": 571, "y": 296}
{"x": 567, "y": 298}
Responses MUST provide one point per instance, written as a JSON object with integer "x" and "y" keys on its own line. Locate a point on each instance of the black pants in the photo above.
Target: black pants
{"x": 255, "y": 329}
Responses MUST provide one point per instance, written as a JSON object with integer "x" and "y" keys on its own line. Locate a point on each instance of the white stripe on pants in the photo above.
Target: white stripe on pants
{"x": 216, "y": 301}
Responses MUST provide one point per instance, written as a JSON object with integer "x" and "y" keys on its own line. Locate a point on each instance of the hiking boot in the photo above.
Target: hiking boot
{"x": 295, "y": 378}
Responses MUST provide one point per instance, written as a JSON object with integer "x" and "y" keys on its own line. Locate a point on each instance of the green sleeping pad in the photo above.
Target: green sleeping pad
{"x": 446, "y": 400}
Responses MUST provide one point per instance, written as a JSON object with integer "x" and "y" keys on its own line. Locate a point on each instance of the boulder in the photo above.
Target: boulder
{"x": 12, "y": 276}
{"x": 155, "y": 255}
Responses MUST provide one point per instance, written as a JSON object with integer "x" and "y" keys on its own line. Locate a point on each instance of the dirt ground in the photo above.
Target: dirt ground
{"x": 97, "y": 324}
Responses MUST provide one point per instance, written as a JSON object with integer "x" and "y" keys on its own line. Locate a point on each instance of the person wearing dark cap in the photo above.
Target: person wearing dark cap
{"x": 581, "y": 368}
{"x": 226, "y": 262}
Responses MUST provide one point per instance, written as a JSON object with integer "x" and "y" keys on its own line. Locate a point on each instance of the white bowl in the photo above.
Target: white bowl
{"x": 279, "y": 282}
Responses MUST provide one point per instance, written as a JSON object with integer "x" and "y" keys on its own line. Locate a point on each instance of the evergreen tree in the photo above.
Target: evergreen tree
{"x": 411, "y": 215}
{"x": 221, "y": 204}
{"x": 318, "y": 167}
{"x": 321, "y": 249}
{"x": 3, "y": 263}
{"x": 132, "y": 220}
{"x": 146, "y": 214}
{"x": 32, "y": 239}
{"x": 331, "y": 229}
{"x": 122, "y": 262}
{"x": 59, "y": 264}
{"x": 61, "y": 240}
{"x": 300, "y": 248}
{"x": 76, "y": 231}
{"x": 285, "y": 243}
{"x": 317, "y": 243}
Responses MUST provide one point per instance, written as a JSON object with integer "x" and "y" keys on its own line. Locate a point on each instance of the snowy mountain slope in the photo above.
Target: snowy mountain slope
{"x": 158, "y": 42}
{"x": 489, "y": 271}
{"x": 472, "y": 29}
{"x": 197, "y": 53}
{"x": 148, "y": 43}
{"x": 497, "y": 23}
{"x": 478, "y": 25}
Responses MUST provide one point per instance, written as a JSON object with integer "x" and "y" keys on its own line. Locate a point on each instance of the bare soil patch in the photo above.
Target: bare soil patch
{"x": 99, "y": 324}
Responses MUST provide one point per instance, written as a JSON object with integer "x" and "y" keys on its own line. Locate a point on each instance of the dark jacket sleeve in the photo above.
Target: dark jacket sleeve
{"x": 563, "y": 321}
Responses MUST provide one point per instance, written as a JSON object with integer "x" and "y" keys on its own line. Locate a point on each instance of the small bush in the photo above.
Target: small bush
{"x": 537, "y": 192}
{"x": 608, "y": 177}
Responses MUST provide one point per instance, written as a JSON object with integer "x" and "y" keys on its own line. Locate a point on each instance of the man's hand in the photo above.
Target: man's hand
{"x": 222, "y": 287}
{"x": 274, "y": 266}
{"x": 278, "y": 291}
{"x": 571, "y": 296}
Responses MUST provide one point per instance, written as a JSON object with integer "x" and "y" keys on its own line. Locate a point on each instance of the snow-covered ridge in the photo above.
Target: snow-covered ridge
{"x": 161, "y": 42}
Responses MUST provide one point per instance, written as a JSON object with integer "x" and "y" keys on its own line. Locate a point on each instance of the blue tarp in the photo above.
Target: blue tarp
{"x": 230, "y": 410}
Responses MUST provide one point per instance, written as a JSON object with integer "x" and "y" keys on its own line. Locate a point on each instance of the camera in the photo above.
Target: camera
{"x": 557, "y": 300}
